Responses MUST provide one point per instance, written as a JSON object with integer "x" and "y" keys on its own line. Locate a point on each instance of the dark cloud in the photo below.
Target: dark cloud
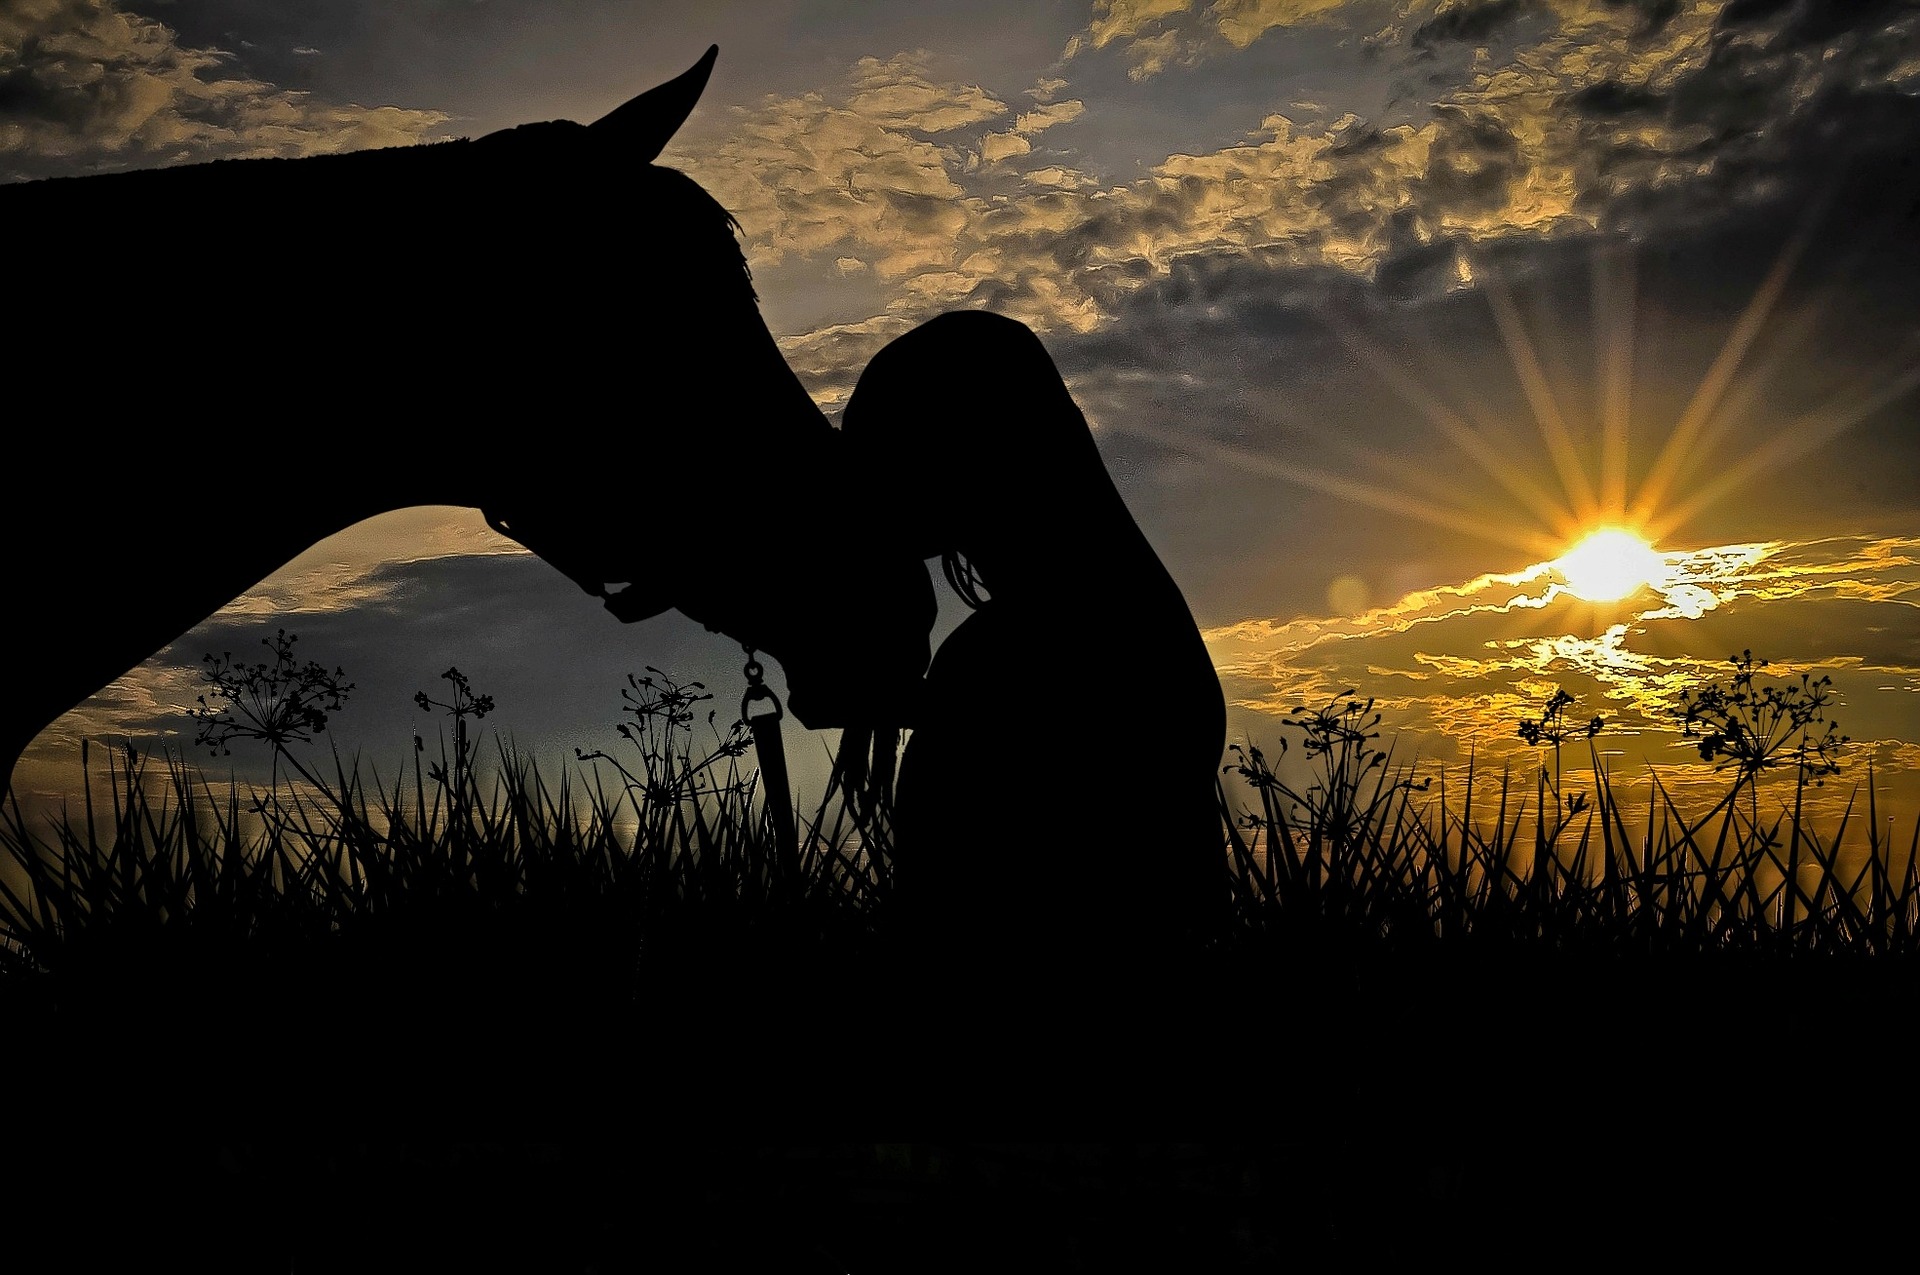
{"x": 1810, "y": 22}
{"x": 1231, "y": 350}
{"x": 1628, "y": 118}
{"x": 1612, "y": 99}
{"x": 1812, "y": 627}
{"x": 1471, "y": 164}
{"x": 1421, "y": 269}
{"x": 1741, "y": 13}
{"x": 1228, "y": 351}
{"x": 1468, "y": 21}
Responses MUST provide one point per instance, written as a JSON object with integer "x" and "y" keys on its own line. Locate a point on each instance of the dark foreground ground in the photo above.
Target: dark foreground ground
{"x": 816, "y": 1114}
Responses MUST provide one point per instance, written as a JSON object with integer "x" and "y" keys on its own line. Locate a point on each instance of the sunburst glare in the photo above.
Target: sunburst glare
{"x": 1610, "y": 564}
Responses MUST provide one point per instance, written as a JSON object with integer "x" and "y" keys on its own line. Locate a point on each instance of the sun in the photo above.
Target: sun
{"x": 1609, "y": 564}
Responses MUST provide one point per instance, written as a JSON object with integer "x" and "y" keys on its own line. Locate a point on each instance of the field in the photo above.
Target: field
{"x": 480, "y": 1016}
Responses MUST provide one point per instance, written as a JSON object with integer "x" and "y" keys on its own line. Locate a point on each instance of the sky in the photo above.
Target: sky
{"x": 1376, "y": 307}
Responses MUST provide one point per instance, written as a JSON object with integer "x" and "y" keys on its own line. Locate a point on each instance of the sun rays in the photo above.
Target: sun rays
{"x": 1644, "y": 468}
{"x": 1552, "y": 453}
{"x": 1601, "y": 458}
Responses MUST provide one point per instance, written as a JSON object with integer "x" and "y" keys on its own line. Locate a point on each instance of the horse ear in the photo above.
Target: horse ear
{"x": 645, "y": 125}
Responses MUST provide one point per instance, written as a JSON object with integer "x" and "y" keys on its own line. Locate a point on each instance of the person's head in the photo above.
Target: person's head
{"x": 965, "y": 429}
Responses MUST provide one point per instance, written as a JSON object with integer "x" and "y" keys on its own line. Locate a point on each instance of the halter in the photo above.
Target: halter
{"x": 760, "y": 710}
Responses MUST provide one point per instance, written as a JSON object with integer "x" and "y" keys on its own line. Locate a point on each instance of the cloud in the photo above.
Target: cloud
{"x": 1233, "y": 318}
{"x": 894, "y": 93}
{"x": 1014, "y": 141}
{"x": 1589, "y": 111}
{"x": 828, "y": 360}
{"x": 998, "y": 146}
{"x": 1370, "y": 432}
{"x": 394, "y": 627}
{"x": 1446, "y": 665}
{"x": 1150, "y": 55}
{"x": 1155, "y": 34}
{"x": 1148, "y": 33}
{"x": 85, "y": 86}
{"x": 1241, "y": 22}
{"x": 1129, "y": 20}
{"x": 1468, "y": 21}
{"x": 1634, "y": 119}
{"x": 855, "y": 174}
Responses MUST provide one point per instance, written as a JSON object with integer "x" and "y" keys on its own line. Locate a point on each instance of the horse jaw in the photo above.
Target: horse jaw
{"x": 646, "y": 124}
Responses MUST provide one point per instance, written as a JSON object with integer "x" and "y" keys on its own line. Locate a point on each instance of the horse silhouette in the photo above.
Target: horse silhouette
{"x": 1058, "y": 797}
{"x": 240, "y": 358}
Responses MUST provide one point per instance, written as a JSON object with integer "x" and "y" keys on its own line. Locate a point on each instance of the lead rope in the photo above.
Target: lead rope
{"x": 760, "y": 710}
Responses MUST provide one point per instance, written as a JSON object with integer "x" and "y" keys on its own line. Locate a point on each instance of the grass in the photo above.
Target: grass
{"x": 669, "y": 843}
{"x": 1378, "y": 852}
{"x": 456, "y": 861}
{"x": 1463, "y": 1014}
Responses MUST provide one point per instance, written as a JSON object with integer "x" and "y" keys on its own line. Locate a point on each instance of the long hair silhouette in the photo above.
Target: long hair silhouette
{"x": 1059, "y": 790}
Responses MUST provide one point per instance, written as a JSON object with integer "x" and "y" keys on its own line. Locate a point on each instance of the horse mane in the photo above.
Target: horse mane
{"x": 702, "y": 212}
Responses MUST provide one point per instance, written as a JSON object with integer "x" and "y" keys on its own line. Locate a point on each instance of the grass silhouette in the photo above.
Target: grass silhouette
{"x": 591, "y": 1021}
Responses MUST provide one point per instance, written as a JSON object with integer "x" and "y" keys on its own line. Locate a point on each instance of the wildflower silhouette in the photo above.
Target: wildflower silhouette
{"x": 1751, "y": 728}
{"x": 1553, "y": 728}
{"x": 278, "y": 701}
{"x": 662, "y": 732}
{"x": 1342, "y": 736}
{"x": 463, "y": 705}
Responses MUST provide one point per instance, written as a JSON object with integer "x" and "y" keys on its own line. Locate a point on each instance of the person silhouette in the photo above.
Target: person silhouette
{"x": 1057, "y": 796}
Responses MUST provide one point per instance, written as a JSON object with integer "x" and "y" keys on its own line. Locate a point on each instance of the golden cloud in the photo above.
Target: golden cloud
{"x": 1153, "y": 54}
{"x": 1128, "y": 20}
{"x": 104, "y": 88}
{"x": 896, "y": 93}
{"x": 1457, "y": 666}
{"x": 153, "y": 691}
{"x": 1153, "y": 34}
{"x": 804, "y": 176}
{"x": 999, "y": 146}
{"x": 995, "y": 147}
{"x": 1241, "y": 22}
{"x": 974, "y": 215}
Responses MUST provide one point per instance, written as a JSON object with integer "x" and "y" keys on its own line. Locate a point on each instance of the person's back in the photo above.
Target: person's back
{"x": 1057, "y": 798}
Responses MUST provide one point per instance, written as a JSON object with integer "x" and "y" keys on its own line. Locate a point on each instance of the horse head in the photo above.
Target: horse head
{"x": 548, "y": 288}
{"x": 784, "y": 559}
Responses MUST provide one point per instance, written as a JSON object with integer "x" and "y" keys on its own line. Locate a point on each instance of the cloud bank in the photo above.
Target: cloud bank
{"x": 86, "y": 86}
